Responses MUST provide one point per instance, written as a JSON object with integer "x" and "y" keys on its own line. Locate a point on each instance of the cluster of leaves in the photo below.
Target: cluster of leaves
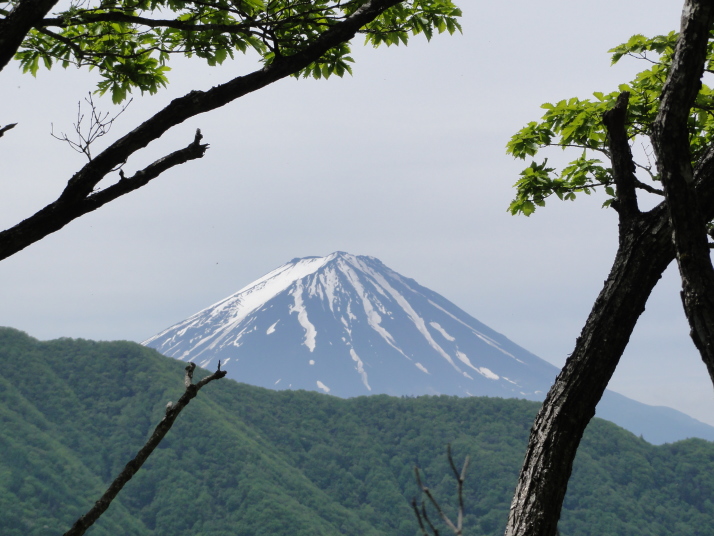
{"x": 576, "y": 123}
{"x": 130, "y": 45}
{"x": 244, "y": 460}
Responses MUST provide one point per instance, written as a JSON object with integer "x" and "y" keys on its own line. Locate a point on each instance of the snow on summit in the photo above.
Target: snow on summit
{"x": 351, "y": 323}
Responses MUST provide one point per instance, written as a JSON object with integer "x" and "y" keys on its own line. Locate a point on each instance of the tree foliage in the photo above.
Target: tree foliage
{"x": 130, "y": 46}
{"x": 247, "y": 460}
{"x": 130, "y": 42}
{"x": 669, "y": 108}
{"x": 578, "y": 124}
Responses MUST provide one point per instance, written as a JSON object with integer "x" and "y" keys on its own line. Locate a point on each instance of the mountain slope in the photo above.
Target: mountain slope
{"x": 349, "y": 325}
{"x": 248, "y": 461}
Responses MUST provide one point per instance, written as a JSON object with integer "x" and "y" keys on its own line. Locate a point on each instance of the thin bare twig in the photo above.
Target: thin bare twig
{"x": 99, "y": 125}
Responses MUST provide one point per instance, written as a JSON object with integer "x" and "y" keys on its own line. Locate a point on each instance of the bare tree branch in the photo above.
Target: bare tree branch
{"x": 76, "y": 197}
{"x": 131, "y": 468}
{"x": 647, "y": 188}
{"x": 6, "y": 128}
{"x": 99, "y": 125}
{"x": 422, "y": 516}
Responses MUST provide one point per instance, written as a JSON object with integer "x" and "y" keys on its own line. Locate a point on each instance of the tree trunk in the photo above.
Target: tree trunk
{"x": 646, "y": 248}
{"x": 671, "y": 143}
{"x": 644, "y": 252}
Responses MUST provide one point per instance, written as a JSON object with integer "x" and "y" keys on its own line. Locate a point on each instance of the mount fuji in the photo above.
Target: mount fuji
{"x": 348, "y": 325}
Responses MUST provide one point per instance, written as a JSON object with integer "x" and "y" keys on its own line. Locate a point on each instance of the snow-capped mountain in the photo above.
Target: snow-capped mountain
{"x": 349, "y": 325}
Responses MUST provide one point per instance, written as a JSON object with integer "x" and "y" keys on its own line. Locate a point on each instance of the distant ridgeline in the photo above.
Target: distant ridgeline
{"x": 244, "y": 460}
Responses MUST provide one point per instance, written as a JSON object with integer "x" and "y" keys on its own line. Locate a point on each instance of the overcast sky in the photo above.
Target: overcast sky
{"x": 403, "y": 161}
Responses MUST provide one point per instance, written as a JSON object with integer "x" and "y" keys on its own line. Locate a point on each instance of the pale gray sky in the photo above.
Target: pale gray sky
{"x": 404, "y": 161}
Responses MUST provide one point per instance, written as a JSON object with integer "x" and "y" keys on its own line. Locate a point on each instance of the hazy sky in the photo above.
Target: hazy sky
{"x": 404, "y": 161}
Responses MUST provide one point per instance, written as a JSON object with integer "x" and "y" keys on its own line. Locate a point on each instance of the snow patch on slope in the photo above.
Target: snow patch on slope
{"x": 233, "y": 309}
{"x": 441, "y": 330}
{"x": 483, "y": 371}
{"x": 421, "y": 367}
{"x": 373, "y": 318}
{"x": 360, "y": 368}
{"x": 299, "y": 308}
{"x": 484, "y": 338}
{"x": 413, "y": 316}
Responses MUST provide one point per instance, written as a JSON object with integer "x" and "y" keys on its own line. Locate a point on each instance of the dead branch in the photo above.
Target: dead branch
{"x": 421, "y": 513}
{"x": 131, "y": 468}
{"x": 623, "y": 165}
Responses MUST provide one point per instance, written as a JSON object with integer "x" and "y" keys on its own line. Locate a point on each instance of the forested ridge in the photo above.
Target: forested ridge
{"x": 248, "y": 461}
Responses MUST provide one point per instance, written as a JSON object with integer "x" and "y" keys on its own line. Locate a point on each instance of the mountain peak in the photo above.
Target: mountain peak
{"x": 349, "y": 325}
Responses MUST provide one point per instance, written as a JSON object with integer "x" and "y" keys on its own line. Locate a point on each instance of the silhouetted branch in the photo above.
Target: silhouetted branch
{"x": 59, "y": 213}
{"x": 6, "y": 128}
{"x": 131, "y": 468}
{"x": 79, "y": 196}
{"x": 99, "y": 125}
{"x": 623, "y": 165}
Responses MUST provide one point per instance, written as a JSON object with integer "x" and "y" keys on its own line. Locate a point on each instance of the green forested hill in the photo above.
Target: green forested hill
{"x": 247, "y": 461}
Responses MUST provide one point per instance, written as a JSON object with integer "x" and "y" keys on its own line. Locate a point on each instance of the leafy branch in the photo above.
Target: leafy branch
{"x": 79, "y": 196}
{"x": 578, "y": 123}
{"x": 131, "y": 48}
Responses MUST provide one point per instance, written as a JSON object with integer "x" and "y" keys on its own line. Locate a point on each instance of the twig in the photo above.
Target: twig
{"x": 457, "y": 528}
{"x": 131, "y": 468}
{"x": 99, "y": 125}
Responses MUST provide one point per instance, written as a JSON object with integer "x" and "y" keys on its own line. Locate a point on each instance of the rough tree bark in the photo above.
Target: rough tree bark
{"x": 79, "y": 196}
{"x": 131, "y": 468}
{"x": 645, "y": 250}
{"x": 674, "y": 161}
